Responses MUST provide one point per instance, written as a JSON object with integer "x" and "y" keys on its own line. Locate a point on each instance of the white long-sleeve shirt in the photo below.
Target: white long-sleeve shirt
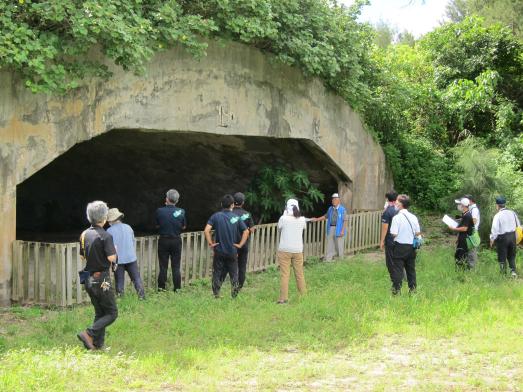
{"x": 505, "y": 221}
{"x": 400, "y": 228}
{"x": 291, "y": 236}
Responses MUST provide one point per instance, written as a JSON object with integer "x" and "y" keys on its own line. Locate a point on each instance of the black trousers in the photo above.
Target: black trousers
{"x": 388, "y": 260}
{"x": 134, "y": 274}
{"x": 403, "y": 257}
{"x": 169, "y": 248}
{"x": 223, "y": 264}
{"x": 105, "y": 309}
{"x": 243, "y": 255}
{"x": 506, "y": 249}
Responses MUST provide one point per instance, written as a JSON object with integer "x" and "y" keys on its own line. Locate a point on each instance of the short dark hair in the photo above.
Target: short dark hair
{"x": 391, "y": 196}
{"x": 470, "y": 197}
{"x": 404, "y": 200}
{"x": 227, "y": 201}
{"x": 296, "y": 212}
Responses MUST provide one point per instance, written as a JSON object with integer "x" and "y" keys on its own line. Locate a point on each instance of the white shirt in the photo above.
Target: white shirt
{"x": 505, "y": 221}
{"x": 474, "y": 210}
{"x": 402, "y": 230}
{"x": 291, "y": 236}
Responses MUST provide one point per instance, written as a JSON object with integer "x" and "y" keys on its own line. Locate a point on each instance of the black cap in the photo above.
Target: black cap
{"x": 239, "y": 198}
{"x": 501, "y": 200}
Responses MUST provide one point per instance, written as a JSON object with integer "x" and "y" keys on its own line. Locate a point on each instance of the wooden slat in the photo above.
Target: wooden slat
{"x": 194, "y": 258}
{"x": 69, "y": 274}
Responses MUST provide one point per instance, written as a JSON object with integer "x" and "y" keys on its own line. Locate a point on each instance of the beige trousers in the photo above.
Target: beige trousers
{"x": 285, "y": 259}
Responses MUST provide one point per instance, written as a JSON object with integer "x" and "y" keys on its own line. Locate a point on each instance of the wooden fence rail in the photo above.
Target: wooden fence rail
{"x": 47, "y": 273}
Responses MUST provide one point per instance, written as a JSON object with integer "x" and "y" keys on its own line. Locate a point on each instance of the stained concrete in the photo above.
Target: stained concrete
{"x": 234, "y": 90}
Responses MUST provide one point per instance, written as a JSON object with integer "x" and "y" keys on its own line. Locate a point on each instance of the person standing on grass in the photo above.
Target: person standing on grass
{"x": 290, "y": 249}
{"x": 230, "y": 234}
{"x": 503, "y": 233}
{"x": 243, "y": 252}
{"x": 464, "y": 229}
{"x": 123, "y": 237}
{"x": 404, "y": 228}
{"x": 387, "y": 241}
{"x": 337, "y": 218}
{"x": 171, "y": 221}
{"x": 97, "y": 248}
{"x": 472, "y": 257}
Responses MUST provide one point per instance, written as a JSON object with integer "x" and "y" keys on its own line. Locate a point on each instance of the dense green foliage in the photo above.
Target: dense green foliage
{"x": 348, "y": 333}
{"x": 274, "y": 185}
{"x": 419, "y": 98}
{"x": 507, "y": 12}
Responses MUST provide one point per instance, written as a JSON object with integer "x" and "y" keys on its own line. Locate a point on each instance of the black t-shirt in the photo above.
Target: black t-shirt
{"x": 228, "y": 230}
{"x": 466, "y": 221}
{"x": 386, "y": 217}
{"x": 246, "y": 218}
{"x": 96, "y": 246}
{"x": 171, "y": 220}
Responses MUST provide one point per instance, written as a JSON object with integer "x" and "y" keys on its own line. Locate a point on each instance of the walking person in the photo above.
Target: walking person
{"x": 503, "y": 234}
{"x": 171, "y": 221}
{"x": 464, "y": 230}
{"x": 97, "y": 248}
{"x": 243, "y": 252}
{"x": 230, "y": 235}
{"x": 404, "y": 228}
{"x": 387, "y": 241}
{"x": 472, "y": 257}
{"x": 290, "y": 249}
{"x": 125, "y": 244}
{"x": 337, "y": 218}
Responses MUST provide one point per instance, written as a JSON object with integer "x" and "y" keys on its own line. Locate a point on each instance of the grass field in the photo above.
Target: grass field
{"x": 461, "y": 331}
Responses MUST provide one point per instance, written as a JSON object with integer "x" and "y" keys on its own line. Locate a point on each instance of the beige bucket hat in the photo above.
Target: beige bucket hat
{"x": 114, "y": 214}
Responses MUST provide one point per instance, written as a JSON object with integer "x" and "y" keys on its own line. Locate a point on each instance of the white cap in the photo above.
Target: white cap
{"x": 335, "y": 195}
{"x": 463, "y": 201}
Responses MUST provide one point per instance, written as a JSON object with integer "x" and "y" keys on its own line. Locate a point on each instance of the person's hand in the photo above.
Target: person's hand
{"x": 491, "y": 243}
{"x": 237, "y": 246}
{"x": 214, "y": 245}
{"x": 382, "y": 245}
{"x": 341, "y": 234}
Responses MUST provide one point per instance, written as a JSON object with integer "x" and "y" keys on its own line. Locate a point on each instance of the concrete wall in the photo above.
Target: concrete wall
{"x": 234, "y": 90}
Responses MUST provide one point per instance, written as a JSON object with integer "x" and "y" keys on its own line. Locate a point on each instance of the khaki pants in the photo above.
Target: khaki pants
{"x": 285, "y": 259}
{"x": 335, "y": 245}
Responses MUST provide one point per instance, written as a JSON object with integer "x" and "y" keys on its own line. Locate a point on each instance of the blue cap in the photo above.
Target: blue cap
{"x": 501, "y": 200}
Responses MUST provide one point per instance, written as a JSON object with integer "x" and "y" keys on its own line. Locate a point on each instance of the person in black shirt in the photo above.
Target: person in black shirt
{"x": 387, "y": 241}
{"x": 171, "y": 221}
{"x": 243, "y": 252}
{"x": 231, "y": 234}
{"x": 464, "y": 229}
{"x": 97, "y": 248}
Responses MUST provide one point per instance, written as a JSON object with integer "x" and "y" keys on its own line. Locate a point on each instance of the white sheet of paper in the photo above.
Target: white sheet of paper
{"x": 450, "y": 222}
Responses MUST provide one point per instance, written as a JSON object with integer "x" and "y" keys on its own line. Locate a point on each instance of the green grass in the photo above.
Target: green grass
{"x": 461, "y": 331}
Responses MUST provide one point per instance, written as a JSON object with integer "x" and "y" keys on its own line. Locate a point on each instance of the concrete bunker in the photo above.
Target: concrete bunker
{"x": 132, "y": 169}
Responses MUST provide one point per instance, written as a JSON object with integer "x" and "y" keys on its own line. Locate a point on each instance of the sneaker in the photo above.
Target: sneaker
{"x": 282, "y": 302}
{"x": 396, "y": 292}
{"x": 513, "y": 274}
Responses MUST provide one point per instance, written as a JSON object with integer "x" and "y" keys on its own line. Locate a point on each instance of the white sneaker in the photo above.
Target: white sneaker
{"x": 513, "y": 274}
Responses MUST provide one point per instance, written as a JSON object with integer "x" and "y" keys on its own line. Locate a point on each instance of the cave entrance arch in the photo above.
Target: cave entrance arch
{"x": 132, "y": 169}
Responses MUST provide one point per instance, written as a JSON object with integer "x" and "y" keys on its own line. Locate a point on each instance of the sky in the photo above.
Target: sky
{"x": 416, "y": 16}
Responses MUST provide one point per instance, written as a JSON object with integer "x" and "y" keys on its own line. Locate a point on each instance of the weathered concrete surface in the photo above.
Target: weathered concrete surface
{"x": 234, "y": 90}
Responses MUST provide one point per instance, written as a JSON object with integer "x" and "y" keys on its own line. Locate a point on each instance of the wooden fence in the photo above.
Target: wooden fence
{"x": 47, "y": 273}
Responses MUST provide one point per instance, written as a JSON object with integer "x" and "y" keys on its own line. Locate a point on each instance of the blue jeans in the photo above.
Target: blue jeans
{"x": 134, "y": 274}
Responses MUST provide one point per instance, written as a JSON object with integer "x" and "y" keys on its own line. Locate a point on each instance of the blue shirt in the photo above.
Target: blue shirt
{"x": 123, "y": 238}
{"x": 171, "y": 220}
{"x": 389, "y": 213}
{"x": 228, "y": 230}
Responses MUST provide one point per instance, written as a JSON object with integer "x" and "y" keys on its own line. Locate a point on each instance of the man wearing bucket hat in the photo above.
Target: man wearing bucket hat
{"x": 123, "y": 237}
{"x": 337, "y": 218}
{"x": 503, "y": 233}
{"x": 464, "y": 229}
